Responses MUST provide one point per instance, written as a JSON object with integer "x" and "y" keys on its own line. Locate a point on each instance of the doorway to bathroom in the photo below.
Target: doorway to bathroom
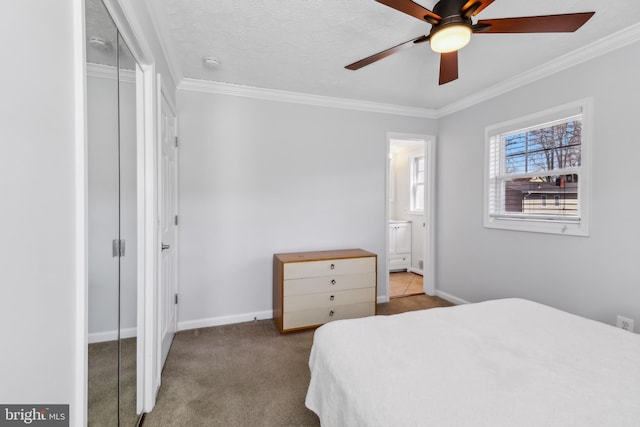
{"x": 410, "y": 205}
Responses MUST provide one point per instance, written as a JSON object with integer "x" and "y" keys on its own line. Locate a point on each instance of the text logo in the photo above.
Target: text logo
{"x": 34, "y": 415}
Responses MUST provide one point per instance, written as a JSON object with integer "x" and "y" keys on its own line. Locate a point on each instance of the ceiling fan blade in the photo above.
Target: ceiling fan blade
{"x": 413, "y": 9}
{"x": 537, "y": 24}
{"x": 474, "y": 7}
{"x": 448, "y": 67}
{"x": 378, "y": 56}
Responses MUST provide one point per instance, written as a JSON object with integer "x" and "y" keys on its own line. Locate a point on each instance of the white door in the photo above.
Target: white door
{"x": 168, "y": 229}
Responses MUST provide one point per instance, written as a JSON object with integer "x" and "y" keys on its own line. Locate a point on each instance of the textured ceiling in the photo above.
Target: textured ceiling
{"x": 114, "y": 52}
{"x": 303, "y": 45}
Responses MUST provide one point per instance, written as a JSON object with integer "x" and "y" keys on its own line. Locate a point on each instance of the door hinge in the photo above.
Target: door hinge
{"x": 176, "y": 298}
{"x": 117, "y": 248}
{"x": 176, "y": 220}
{"x": 176, "y": 140}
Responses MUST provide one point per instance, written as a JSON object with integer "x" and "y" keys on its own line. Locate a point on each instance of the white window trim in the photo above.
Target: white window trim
{"x": 572, "y": 228}
{"x": 412, "y": 171}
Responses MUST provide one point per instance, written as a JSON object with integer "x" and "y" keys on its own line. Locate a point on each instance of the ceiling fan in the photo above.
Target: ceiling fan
{"x": 452, "y": 26}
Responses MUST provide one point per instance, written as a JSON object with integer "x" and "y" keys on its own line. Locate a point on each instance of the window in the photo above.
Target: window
{"x": 417, "y": 184}
{"x": 535, "y": 159}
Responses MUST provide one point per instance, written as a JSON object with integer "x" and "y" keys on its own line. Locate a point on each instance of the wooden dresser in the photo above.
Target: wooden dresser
{"x": 312, "y": 288}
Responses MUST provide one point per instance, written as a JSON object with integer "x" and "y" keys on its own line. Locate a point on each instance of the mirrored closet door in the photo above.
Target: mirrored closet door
{"x": 112, "y": 220}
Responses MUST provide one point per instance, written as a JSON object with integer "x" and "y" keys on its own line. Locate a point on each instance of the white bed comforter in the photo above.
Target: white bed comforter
{"x": 502, "y": 363}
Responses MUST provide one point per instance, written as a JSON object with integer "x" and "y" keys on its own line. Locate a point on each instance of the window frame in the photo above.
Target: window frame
{"x": 573, "y": 227}
{"x": 413, "y": 183}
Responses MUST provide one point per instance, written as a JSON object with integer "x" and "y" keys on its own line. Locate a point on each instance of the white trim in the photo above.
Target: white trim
{"x": 80, "y": 383}
{"x": 148, "y": 305}
{"x": 416, "y": 271}
{"x": 110, "y": 72}
{"x": 224, "y": 320}
{"x": 453, "y": 299}
{"x": 105, "y": 336}
{"x": 142, "y": 246}
{"x": 601, "y": 47}
{"x": 302, "y": 98}
{"x": 382, "y": 299}
{"x": 429, "y": 249}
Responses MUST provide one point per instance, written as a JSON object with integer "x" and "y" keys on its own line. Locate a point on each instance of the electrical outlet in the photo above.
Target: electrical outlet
{"x": 625, "y": 323}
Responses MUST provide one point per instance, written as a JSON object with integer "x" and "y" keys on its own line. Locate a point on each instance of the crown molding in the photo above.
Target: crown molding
{"x": 303, "y": 98}
{"x": 601, "y": 47}
{"x": 110, "y": 72}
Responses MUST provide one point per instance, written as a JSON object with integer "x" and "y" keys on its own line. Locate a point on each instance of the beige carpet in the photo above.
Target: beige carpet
{"x": 244, "y": 375}
{"x": 103, "y": 402}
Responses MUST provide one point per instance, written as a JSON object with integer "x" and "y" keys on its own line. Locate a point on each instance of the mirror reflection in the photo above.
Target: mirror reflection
{"x": 112, "y": 251}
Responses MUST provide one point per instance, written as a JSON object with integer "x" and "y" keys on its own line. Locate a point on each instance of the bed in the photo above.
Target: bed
{"x": 508, "y": 362}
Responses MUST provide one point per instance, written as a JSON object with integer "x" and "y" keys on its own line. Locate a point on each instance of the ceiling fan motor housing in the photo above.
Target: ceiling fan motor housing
{"x": 451, "y": 13}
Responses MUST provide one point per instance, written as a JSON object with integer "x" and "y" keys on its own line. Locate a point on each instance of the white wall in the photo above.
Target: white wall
{"x": 596, "y": 276}
{"x": 261, "y": 177}
{"x": 37, "y": 187}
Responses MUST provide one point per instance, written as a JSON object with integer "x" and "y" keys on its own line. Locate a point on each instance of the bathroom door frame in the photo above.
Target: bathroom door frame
{"x": 428, "y": 249}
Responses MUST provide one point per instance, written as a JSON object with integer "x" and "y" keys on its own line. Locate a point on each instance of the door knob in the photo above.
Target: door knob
{"x": 165, "y": 246}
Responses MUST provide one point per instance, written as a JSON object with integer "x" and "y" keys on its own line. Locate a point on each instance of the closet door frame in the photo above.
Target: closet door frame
{"x": 147, "y": 82}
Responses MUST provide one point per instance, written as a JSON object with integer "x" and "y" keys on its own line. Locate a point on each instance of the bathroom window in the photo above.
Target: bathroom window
{"x": 417, "y": 184}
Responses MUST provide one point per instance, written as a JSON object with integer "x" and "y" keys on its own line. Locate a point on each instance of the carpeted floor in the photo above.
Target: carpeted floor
{"x": 245, "y": 374}
{"x": 103, "y": 402}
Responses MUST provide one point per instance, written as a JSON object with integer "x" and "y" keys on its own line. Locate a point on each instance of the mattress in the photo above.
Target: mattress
{"x": 507, "y": 362}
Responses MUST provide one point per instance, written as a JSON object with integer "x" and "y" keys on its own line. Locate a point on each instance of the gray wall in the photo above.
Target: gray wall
{"x": 260, "y": 177}
{"x": 596, "y": 276}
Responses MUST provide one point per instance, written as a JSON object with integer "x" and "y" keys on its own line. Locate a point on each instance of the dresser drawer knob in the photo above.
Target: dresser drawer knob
{"x": 331, "y": 298}
{"x": 333, "y": 266}
{"x": 333, "y": 281}
{"x": 331, "y": 313}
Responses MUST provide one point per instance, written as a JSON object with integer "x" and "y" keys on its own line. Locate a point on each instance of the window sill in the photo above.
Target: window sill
{"x": 533, "y": 226}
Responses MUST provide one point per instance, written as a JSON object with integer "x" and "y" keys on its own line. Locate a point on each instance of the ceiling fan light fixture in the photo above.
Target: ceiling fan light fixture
{"x": 450, "y": 38}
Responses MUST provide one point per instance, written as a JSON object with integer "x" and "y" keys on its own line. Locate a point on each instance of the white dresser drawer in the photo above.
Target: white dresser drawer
{"x": 316, "y": 285}
{"x": 301, "y": 319}
{"x": 297, "y": 270}
{"x": 329, "y": 299}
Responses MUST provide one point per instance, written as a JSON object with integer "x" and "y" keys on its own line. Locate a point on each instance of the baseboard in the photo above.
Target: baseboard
{"x": 416, "y": 270}
{"x": 97, "y": 337}
{"x": 451, "y": 298}
{"x": 268, "y": 314}
{"x": 224, "y": 320}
